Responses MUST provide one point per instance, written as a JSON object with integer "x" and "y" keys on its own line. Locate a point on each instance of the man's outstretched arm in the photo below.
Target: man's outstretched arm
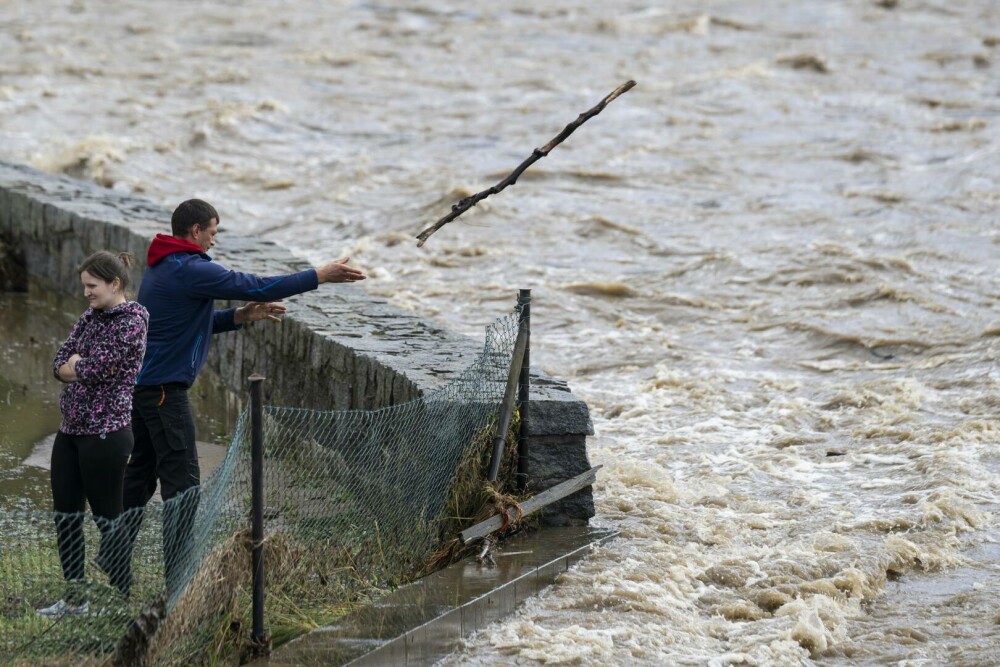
{"x": 212, "y": 281}
{"x": 216, "y": 282}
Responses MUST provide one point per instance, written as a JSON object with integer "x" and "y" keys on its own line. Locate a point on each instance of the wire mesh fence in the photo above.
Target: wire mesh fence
{"x": 355, "y": 501}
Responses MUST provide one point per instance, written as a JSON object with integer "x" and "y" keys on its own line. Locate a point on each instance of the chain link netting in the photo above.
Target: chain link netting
{"x": 355, "y": 501}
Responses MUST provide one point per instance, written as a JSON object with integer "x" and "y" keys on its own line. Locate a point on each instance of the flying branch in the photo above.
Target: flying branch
{"x": 468, "y": 202}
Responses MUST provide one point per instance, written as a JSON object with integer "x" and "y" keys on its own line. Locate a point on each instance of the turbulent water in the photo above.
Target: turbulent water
{"x": 772, "y": 270}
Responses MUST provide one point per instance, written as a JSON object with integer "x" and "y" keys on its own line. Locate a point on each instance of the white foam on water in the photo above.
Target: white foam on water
{"x": 770, "y": 270}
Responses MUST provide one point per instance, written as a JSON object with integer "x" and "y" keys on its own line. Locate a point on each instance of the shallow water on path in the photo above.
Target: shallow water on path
{"x": 34, "y": 324}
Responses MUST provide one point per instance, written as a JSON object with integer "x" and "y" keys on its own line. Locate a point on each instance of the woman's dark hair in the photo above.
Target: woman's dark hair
{"x": 190, "y": 213}
{"x": 108, "y": 266}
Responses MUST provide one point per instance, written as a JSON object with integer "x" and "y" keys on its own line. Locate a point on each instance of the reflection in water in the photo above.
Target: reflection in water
{"x": 770, "y": 269}
{"x": 31, "y": 329}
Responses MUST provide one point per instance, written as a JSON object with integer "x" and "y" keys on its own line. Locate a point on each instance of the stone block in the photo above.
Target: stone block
{"x": 35, "y": 217}
{"x": 57, "y": 220}
{"x": 553, "y": 459}
{"x": 556, "y": 411}
{"x": 6, "y": 224}
{"x": 21, "y": 222}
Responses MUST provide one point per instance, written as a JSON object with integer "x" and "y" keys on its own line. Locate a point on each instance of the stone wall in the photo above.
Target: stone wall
{"x": 338, "y": 348}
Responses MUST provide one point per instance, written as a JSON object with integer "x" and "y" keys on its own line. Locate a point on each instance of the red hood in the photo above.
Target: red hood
{"x": 164, "y": 245}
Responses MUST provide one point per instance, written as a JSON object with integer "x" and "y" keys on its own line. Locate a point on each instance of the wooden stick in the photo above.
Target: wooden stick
{"x": 533, "y": 504}
{"x": 507, "y": 407}
{"x": 465, "y": 204}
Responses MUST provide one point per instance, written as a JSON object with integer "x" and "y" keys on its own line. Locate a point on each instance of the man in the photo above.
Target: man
{"x": 179, "y": 289}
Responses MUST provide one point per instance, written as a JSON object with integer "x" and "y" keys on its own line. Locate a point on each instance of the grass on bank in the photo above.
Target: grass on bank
{"x": 312, "y": 580}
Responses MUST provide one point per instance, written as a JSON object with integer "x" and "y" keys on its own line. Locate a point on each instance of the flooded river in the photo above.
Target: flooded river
{"x": 772, "y": 270}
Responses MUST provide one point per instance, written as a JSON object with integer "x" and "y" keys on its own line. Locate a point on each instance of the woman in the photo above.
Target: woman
{"x": 99, "y": 362}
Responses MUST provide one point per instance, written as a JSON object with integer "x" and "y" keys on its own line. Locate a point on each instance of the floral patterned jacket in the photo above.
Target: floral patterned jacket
{"x": 112, "y": 344}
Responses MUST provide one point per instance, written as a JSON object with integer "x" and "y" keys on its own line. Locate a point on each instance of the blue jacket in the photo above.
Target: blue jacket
{"x": 179, "y": 291}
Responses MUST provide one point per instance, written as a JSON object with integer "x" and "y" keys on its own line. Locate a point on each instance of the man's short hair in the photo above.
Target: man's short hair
{"x": 190, "y": 213}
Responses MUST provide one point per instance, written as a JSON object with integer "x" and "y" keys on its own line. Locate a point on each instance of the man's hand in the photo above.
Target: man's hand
{"x": 256, "y": 311}
{"x": 337, "y": 271}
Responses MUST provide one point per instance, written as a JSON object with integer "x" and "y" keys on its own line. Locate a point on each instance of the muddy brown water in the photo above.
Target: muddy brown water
{"x": 772, "y": 270}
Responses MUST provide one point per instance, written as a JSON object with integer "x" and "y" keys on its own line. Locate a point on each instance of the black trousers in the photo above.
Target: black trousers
{"x": 89, "y": 469}
{"x": 165, "y": 452}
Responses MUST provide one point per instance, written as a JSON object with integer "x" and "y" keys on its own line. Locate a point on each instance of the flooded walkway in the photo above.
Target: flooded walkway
{"x": 421, "y": 622}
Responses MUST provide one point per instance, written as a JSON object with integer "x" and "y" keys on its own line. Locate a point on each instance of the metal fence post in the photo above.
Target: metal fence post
{"x": 258, "y": 637}
{"x": 524, "y": 390}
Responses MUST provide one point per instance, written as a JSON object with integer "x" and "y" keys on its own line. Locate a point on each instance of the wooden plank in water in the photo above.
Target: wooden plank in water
{"x": 533, "y": 504}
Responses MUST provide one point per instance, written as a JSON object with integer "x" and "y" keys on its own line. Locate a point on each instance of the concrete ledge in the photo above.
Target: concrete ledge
{"x": 338, "y": 348}
{"x": 420, "y": 623}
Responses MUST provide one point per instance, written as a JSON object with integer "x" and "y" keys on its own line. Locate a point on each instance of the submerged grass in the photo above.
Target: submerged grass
{"x": 30, "y": 578}
{"x": 211, "y": 623}
{"x": 471, "y": 499}
{"x": 314, "y": 581}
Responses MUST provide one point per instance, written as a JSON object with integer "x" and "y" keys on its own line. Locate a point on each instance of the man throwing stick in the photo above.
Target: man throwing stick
{"x": 179, "y": 291}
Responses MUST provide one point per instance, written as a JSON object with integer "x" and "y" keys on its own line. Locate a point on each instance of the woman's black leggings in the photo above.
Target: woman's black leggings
{"x": 88, "y": 468}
